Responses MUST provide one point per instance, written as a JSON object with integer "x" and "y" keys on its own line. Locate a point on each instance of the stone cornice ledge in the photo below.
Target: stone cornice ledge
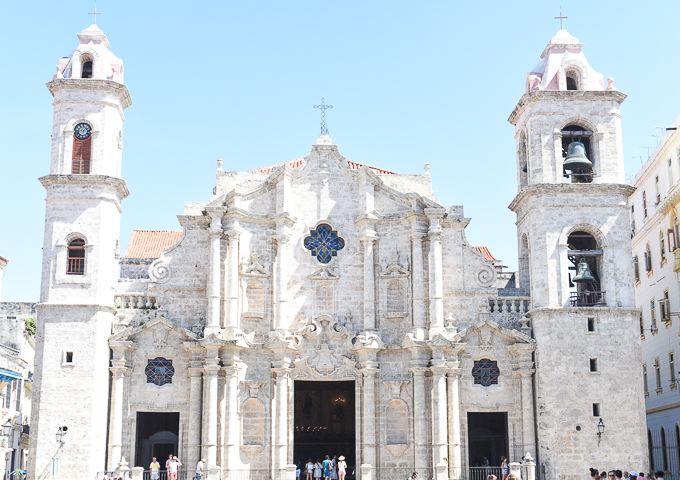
{"x": 671, "y": 199}
{"x": 553, "y": 95}
{"x": 634, "y": 310}
{"x": 577, "y": 188}
{"x": 75, "y": 305}
{"x": 118, "y": 183}
{"x": 122, "y": 89}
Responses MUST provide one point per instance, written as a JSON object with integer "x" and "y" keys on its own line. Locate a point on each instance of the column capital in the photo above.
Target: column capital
{"x": 454, "y": 373}
{"x": 119, "y": 371}
{"x": 281, "y": 239}
{"x": 418, "y": 371}
{"x": 369, "y": 236}
{"x": 195, "y": 371}
{"x": 417, "y": 235}
{"x": 233, "y": 234}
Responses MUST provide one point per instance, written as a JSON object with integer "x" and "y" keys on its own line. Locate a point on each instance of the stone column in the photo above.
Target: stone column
{"x": 418, "y": 277}
{"x": 439, "y": 415}
{"x": 453, "y": 393}
{"x": 436, "y": 276}
{"x": 528, "y": 431}
{"x": 116, "y": 416}
{"x": 232, "y": 442}
{"x": 369, "y": 372}
{"x": 213, "y": 324}
{"x": 212, "y": 369}
{"x": 282, "y": 371}
{"x": 368, "y": 240}
{"x": 195, "y": 402}
{"x": 281, "y": 323}
{"x": 419, "y": 414}
{"x": 232, "y": 284}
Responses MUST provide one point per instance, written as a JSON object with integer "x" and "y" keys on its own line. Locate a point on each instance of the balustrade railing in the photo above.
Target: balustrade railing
{"x": 587, "y": 299}
{"x": 510, "y": 304}
{"x": 135, "y": 301}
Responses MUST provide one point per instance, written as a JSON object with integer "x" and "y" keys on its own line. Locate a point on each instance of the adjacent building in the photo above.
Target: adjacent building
{"x": 654, "y": 215}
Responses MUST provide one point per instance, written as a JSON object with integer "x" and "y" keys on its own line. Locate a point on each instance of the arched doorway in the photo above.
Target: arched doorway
{"x": 488, "y": 437}
{"x": 157, "y": 436}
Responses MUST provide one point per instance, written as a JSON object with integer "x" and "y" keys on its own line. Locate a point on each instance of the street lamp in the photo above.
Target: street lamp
{"x": 60, "y": 434}
{"x": 7, "y": 429}
{"x": 600, "y": 430}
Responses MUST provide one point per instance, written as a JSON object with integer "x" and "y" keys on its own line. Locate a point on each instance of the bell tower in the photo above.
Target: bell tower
{"x": 80, "y": 259}
{"x": 575, "y": 261}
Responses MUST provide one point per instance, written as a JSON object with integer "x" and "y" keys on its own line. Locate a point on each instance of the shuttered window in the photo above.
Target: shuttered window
{"x": 82, "y": 150}
{"x": 76, "y": 257}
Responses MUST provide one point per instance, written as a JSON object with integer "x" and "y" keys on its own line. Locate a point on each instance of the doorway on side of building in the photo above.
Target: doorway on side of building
{"x": 325, "y": 418}
{"x": 487, "y": 437}
{"x": 157, "y": 436}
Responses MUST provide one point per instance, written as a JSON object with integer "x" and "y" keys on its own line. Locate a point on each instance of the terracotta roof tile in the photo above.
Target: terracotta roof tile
{"x": 298, "y": 161}
{"x": 151, "y": 243}
{"x": 486, "y": 252}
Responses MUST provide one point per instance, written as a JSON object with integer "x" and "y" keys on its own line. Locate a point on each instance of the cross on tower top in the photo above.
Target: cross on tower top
{"x": 95, "y": 13}
{"x": 323, "y": 107}
{"x": 560, "y": 17}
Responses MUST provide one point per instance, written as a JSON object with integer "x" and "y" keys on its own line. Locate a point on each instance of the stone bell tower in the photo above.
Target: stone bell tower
{"x": 80, "y": 258}
{"x": 574, "y": 259}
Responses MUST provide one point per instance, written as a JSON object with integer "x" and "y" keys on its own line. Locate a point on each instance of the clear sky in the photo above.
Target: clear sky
{"x": 410, "y": 82}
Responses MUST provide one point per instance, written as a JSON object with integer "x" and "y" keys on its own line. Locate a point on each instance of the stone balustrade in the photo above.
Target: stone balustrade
{"x": 510, "y": 304}
{"x": 135, "y": 301}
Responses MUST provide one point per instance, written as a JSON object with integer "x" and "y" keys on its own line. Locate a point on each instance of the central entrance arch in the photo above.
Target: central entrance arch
{"x": 325, "y": 421}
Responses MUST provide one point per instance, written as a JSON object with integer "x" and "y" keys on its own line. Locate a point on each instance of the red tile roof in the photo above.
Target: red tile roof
{"x": 298, "y": 161}
{"x": 151, "y": 243}
{"x": 486, "y": 252}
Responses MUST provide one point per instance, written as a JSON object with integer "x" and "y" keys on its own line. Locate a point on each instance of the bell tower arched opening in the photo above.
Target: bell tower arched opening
{"x": 86, "y": 61}
{"x": 577, "y": 156}
{"x": 585, "y": 285}
{"x": 573, "y": 78}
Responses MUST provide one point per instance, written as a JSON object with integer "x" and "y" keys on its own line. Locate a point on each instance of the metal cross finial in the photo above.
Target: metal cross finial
{"x": 560, "y": 17}
{"x": 95, "y": 13}
{"x": 323, "y": 107}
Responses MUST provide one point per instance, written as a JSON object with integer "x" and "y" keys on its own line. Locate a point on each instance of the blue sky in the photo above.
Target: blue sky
{"x": 410, "y": 82}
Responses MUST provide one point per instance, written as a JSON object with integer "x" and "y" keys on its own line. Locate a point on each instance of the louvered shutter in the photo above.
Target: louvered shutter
{"x": 81, "y": 156}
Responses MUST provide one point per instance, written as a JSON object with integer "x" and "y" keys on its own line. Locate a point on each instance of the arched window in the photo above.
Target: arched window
{"x": 664, "y": 451}
{"x": 76, "y": 257}
{"x": 576, "y": 133}
{"x": 648, "y": 258}
{"x": 573, "y": 78}
{"x": 650, "y": 445}
{"x": 86, "y": 61}
{"x": 82, "y": 149}
{"x": 677, "y": 444}
{"x": 636, "y": 267}
{"x": 523, "y": 160}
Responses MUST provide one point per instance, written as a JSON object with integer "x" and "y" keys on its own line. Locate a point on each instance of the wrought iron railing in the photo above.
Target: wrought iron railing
{"x": 587, "y": 299}
{"x": 76, "y": 266}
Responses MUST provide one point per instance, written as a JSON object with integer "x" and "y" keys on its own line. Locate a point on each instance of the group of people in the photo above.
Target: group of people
{"x": 596, "y": 474}
{"x": 172, "y": 465}
{"x": 329, "y": 469}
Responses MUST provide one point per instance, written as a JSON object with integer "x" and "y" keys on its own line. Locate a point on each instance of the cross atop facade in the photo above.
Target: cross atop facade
{"x": 95, "y": 13}
{"x": 560, "y": 17}
{"x": 323, "y": 107}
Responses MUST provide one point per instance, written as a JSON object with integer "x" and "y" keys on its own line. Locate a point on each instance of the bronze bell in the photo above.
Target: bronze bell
{"x": 583, "y": 274}
{"x": 576, "y": 157}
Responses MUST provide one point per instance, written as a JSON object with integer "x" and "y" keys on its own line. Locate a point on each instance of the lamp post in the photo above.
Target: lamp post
{"x": 55, "y": 460}
{"x": 600, "y": 431}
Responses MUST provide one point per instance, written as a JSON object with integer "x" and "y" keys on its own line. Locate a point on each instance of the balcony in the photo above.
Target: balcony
{"x": 587, "y": 299}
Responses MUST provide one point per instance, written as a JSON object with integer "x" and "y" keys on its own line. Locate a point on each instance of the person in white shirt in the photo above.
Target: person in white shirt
{"x": 199, "y": 469}
{"x": 155, "y": 469}
{"x": 173, "y": 465}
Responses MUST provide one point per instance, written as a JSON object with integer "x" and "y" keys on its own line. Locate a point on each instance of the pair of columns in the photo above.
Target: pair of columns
{"x": 445, "y": 416}
{"x": 214, "y": 324}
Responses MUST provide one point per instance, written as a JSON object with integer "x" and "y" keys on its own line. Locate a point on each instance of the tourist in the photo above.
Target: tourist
{"x": 327, "y": 468}
{"x": 317, "y": 469}
{"x": 633, "y": 475}
{"x": 155, "y": 469}
{"x": 310, "y": 469}
{"x": 334, "y": 468}
{"x": 641, "y": 476}
{"x": 618, "y": 474}
{"x": 486, "y": 464}
{"x": 414, "y": 476}
{"x": 504, "y": 467}
{"x": 342, "y": 468}
{"x": 298, "y": 470}
{"x": 173, "y": 466}
{"x": 658, "y": 475}
{"x": 626, "y": 474}
{"x": 167, "y": 462}
{"x": 199, "y": 469}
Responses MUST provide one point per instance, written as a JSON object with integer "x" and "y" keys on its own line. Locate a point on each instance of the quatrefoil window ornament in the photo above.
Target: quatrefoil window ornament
{"x": 324, "y": 243}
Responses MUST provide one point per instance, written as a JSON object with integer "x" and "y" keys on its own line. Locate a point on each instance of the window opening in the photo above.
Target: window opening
{"x": 485, "y": 372}
{"x": 644, "y": 204}
{"x": 8, "y": 395}
{"x": 671, "y": 364}
{"x": 18, "y": 399}
{"x": 636, "y": 267}
{"x": 159, "y": 371}
{"x": 642, "y": 326}
{"x": 593, "y": 364}
{"x": 653, "y": 311}
{"x": 87, "y": 66}
{"x": 656, "y": 190}
{"x": 82, "y": 149}
{"x": 664, "y": 450}
{"x": 657, "y": 369}
{"x": 69, "y": 357}
{"x": 596, "y": 409}
{"x": 585, "y": 258}
{"x": 324, "y": 243}
{"x": 644, "y": 378}
{"x": 578, "y": 160}
{"x": 650, "y": 444}
{"x": 632, "y": 221}
{"x": 648, "y": 258}
{"x": 665, "y": 306}
{"x": 591, "y": 324}
{"x": 671, "y": 240}
{"x": 523, "y": 160}
{"x": 670, "y": 174}
{"x": 76, "y": 257}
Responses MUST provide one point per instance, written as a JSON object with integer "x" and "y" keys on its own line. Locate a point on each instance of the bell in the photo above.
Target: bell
{"x": 576, "y": 157}
{"x": 524, "y": 168}
{"x": 583, "y": 274}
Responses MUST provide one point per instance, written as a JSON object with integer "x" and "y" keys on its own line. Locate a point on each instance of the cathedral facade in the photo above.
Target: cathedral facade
{"x": 321, "y": 306}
